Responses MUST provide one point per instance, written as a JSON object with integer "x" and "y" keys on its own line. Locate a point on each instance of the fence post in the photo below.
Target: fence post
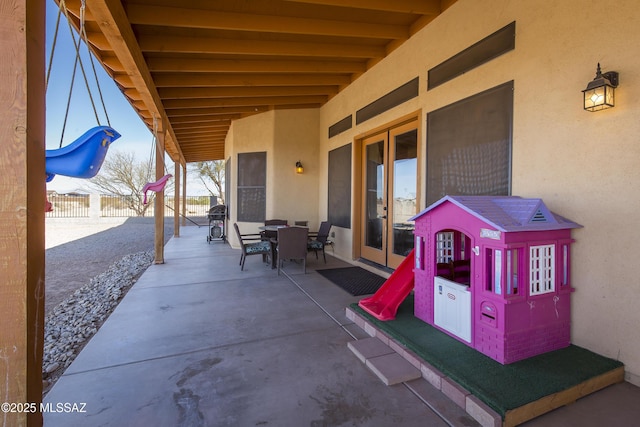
{"x": 94, "y": 206}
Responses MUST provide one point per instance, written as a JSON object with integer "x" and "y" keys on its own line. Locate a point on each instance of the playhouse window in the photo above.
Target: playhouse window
{"x": 488, "y": 256}
{"x": 541, "y": 269}
{"x": 513, "y": 270}
{"x": 444, "y": 246}
{"x": 565, "y": 265}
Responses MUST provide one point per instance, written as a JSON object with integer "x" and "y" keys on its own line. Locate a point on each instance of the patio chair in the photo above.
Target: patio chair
{"x": 252, "y": 244}
{"x": 292, "y": 245}
{"x": 320, "y": 240}
{"x": 268, "y": 234}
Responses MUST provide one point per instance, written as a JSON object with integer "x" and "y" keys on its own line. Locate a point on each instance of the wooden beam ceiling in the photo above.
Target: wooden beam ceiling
{"x": 197, "y": 65}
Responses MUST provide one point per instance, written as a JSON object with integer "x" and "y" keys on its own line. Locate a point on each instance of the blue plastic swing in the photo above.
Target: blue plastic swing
{"x": 83, "y": 157}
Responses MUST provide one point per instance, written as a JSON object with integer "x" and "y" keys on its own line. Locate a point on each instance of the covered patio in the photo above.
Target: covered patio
{"x": 196, "y": 342}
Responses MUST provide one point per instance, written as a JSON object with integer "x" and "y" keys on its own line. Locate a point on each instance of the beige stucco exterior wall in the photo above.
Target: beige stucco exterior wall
{"x": 296, "y": 195}
{"x": 583, "y": 165}
{"x": 287, "y": 136}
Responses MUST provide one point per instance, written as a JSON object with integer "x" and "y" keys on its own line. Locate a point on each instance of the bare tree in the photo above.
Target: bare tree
{"x": 211, "y": 173}
{"x": 122, "y": 175}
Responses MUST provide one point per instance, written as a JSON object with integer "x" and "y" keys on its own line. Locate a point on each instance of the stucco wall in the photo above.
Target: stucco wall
{"x": 296, "y": 139}
{"x": 287, "y": 136}
{"x": 584, "y": 165}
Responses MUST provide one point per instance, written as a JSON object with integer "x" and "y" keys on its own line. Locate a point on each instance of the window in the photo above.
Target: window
{"x": 565, "y": 265}
{"x": 488, "y": 256}
{"x": 497, "y": 274}
{"x": 469, "y": 146}
{"x": 444, "y": 246}
{"x": 252, "y": 190}
{"x": 513, "y": 271}
{"x": 541, "y": 269}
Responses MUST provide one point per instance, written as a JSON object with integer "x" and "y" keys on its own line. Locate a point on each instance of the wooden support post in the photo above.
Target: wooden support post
{"x": 159, "y": 200}
{"x": 22, "y": 200}
{"x": 184, "y": 192}
{"x": 176, "y": 201}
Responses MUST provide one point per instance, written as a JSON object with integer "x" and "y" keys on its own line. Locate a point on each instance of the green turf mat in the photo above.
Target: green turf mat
{"x": 501, "y": 387}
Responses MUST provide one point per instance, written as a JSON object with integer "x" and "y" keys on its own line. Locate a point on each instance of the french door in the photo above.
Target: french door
{"x": 390, "y": 194}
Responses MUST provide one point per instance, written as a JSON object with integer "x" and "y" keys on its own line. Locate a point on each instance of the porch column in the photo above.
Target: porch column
{"x": 159, "y": 200}
{"x": 184, "y": 193}
{"x": 176, "y": 201}
{"x": 22, "y": 204}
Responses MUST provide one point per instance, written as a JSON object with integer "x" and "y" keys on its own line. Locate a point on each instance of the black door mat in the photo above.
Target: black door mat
{"x": 355, "y": 280}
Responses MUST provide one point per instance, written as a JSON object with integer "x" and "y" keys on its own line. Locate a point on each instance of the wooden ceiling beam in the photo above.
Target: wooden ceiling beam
{"x": 188, "y": 122}
{"x": 193, "y": 65}
{"x": 133, "y": 94}
{"x": 204, "y": 144}
{"x": 200, "y": 150}
{"x": 183, "y": 44}
{"x": 421, "y": 7}
{"x": 201, "y": 131}
{"x": 230, "y": 102}
{"x": 244, "y": 91}
{"x": 203, "y": 139}
{"x": 221, "y": 112}
{"x": 232, "y": 79}
{"x": 212, "y": 19}
{"x": 113, "y": 63}
{"x": 296, "y": 106}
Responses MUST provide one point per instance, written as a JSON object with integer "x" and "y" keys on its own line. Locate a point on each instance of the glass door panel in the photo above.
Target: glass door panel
{"x": 404, "y": 195}
{"x": 390, "y": 194}
{"x": 375, "y": 199}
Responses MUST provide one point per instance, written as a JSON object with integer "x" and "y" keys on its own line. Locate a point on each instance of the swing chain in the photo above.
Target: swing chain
{"x": 93, "y": 66}
{"x": 78, "y": 60}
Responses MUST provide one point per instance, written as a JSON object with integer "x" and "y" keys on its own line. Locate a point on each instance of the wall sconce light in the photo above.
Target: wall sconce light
{"x": 599, "y": 94}
{"x": 299, "y": 168}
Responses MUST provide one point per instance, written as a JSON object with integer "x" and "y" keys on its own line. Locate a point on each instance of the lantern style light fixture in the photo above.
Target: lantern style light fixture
{"x": 299, "y": 168}
{"x": 599, "y": 94}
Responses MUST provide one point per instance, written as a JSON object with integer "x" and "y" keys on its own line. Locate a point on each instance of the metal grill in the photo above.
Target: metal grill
{"x": 217, "y": 215}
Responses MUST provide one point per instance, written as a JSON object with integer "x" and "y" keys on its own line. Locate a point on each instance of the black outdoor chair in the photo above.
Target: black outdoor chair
{"x": 321, "y": 239}
{"x": 292, "y": 245}
{"x": 252, "y": 244}
{"x": 270, "y": 234}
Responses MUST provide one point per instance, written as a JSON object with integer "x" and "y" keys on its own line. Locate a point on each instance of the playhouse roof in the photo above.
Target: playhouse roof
{"x": 507, "y": 213}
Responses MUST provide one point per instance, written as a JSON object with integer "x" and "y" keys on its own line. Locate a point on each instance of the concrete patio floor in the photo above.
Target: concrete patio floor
{"x": 197, "y": 342}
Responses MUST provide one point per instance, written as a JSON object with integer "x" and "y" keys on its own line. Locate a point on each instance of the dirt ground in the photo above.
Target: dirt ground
{"x": 80, "y": 249}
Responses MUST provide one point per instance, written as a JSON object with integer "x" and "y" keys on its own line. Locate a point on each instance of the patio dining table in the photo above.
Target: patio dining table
{"x": 273, "y": 241}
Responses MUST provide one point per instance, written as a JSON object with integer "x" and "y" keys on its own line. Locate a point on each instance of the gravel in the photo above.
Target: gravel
{"x": 74, "y": 321}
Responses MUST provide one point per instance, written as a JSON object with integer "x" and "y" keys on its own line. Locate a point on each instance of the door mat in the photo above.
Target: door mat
{"x": 355, "y": 280}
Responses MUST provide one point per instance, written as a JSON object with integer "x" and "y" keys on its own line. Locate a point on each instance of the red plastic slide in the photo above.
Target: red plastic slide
{"x": 383, "y": 305}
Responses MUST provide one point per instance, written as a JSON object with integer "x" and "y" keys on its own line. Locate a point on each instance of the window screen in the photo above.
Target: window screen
{"x": 469, "y": 146}
{"x": 339, "y": 193}
{"x": 252, "y": 190}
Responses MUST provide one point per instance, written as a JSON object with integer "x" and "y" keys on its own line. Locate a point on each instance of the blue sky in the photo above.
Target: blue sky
{"x": 135, "y": 137}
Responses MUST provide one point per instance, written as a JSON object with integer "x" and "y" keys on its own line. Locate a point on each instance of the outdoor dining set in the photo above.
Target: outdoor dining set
{"x": 278, "y": 242}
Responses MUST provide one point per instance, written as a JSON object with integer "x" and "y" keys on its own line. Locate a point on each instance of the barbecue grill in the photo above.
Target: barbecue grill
{"x": 217, "y": 216}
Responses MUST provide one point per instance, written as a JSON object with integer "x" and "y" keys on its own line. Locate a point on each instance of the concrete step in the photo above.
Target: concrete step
{"x": 388, "y": 365}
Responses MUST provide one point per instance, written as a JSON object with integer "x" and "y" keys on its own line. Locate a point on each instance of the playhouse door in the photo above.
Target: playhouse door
{"x": 390, "y": 168}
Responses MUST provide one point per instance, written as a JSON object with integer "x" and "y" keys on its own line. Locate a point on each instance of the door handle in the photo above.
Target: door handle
{"x": 383, "y": 217}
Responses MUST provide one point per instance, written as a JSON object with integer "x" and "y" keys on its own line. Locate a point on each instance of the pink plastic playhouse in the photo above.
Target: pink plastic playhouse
{"x": 494, "y": 272}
